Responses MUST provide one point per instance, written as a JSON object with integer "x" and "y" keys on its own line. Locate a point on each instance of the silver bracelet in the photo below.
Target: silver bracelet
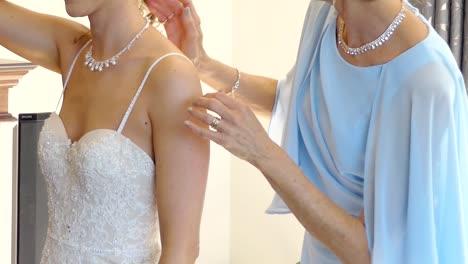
{"x": 237, "y": 83}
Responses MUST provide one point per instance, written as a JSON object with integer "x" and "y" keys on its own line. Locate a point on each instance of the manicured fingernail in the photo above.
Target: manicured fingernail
{"x": 187, "y": 11}
{"x": 189, "y": 109}
{"x": 187, "y": 123}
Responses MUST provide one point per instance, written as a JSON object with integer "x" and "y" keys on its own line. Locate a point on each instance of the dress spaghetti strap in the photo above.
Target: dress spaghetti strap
{"x": 135, "y": 97}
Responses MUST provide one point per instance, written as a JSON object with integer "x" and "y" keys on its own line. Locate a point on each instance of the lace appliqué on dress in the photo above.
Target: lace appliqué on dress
{"x": 101, "y": 198}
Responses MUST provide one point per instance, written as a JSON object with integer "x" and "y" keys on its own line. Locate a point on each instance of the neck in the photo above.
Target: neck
{"x": 114, "y": 26}
{"x": 366, "y": 20}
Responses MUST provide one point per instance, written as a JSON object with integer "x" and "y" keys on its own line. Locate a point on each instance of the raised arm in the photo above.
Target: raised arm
{"x": 181, "y": 161}
{"x": 39, "y": 38}
{"x": 183, "y": 29}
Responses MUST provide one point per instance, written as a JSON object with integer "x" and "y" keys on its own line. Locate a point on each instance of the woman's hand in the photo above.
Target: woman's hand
{"x": 182, "y": 25}
{"x": 237, "y": 130}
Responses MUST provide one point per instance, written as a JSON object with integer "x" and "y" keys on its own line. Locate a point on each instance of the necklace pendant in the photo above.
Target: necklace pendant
{"x": 99, "y": 66}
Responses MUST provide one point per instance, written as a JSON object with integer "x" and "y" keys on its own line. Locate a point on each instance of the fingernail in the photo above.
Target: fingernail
{"x": 187, "y": 11}
{"x": 189, "y": 109}
{"x": 187, "y": 123}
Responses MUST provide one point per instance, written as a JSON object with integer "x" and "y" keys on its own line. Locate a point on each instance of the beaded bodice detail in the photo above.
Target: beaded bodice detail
{"x": 101, "y": 198}
{"x": 101, "y": 194}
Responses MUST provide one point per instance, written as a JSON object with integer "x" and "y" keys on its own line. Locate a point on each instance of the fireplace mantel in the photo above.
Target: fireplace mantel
{"x": 10, "y": 73}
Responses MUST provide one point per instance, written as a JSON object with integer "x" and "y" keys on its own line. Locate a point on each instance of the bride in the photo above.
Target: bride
{"x": 125, "y": 178}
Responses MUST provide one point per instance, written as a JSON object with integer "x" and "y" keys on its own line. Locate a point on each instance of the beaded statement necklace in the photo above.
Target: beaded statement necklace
{"x": 99, "y": 66}
{"x": 375, "y": 43}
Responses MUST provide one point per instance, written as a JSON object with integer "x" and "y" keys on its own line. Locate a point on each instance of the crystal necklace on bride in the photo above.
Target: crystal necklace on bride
{"x": 94, "y": 65}
{"x": 375, "y": 43}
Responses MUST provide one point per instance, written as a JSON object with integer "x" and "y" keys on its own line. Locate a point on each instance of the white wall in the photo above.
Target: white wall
{"x": 216, "y": 222}
{"x": 257, "y": 36}
{"x": 265, "y": 40}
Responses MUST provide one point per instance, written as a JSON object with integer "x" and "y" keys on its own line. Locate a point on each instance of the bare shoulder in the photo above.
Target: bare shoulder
{"x": 175, "y": 72}
{"x": 172, "y": 81}
{"x": 173, "y": 84}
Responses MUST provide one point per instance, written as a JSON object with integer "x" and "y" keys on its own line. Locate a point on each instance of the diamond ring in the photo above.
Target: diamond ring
{"x": 215, "y": 122}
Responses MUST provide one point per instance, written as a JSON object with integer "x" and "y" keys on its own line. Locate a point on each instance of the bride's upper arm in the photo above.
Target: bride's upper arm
{"x": 181, "y": 157}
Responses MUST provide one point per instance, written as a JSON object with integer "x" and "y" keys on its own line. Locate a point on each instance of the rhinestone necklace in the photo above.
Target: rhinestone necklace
{"x": 375, "y": 43}
{"x": 94, "y": 65}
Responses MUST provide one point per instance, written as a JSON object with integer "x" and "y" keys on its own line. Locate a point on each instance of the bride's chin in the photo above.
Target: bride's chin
{"x": 74, "y": 9}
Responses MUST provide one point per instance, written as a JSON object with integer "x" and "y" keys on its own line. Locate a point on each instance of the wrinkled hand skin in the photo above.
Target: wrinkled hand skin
{"x": 239, "y": 131}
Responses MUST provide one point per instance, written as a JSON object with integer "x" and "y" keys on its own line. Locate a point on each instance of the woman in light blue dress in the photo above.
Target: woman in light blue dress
{"x": 372, "y": 122}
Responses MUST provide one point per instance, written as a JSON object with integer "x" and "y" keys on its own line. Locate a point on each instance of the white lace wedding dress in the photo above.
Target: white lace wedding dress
{"x": 101, "y": 199}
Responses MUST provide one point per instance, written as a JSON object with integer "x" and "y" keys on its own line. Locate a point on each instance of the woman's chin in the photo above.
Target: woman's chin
{"x": 74, "y": 9}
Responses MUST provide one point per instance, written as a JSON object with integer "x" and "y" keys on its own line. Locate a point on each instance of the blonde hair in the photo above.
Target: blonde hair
{"x": 143, "y": 7}
{"x": 144, "y": 10}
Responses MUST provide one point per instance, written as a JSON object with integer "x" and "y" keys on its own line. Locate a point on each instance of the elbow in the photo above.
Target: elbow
{"x": 179, "y": 255}
{"x": 192, "y": 253}
{"x": 364, "y": 259}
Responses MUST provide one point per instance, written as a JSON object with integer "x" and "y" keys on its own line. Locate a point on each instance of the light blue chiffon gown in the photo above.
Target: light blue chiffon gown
{"x": 391, "y": 139}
